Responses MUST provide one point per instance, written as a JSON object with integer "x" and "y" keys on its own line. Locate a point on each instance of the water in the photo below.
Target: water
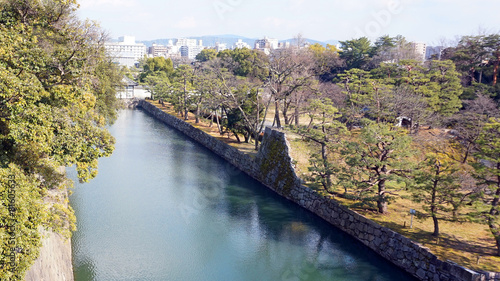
{"x": 165, "y": 208}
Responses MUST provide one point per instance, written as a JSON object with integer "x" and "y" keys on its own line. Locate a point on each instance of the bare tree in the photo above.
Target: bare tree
{"x": 290, "y": 70}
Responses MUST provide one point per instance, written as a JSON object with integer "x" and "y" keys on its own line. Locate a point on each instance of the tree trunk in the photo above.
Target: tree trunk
{"x": 185, "y": 101}
{"x": 381, "y": 202}
{"x": 494, "y": 213}
{"x": 218, "y": 123}
{"x": 435, "y": 183}
{"x": 436, "y": 226}
{"x": 495, "y": 70}
{"x": 197, "y": 114}
{"x": 277, "y": 113}
{"x": 285, "y": 114}
{"x": 297, "y": 113}
{"x": 237, "y": 137}
{"x": 328, "y": 174}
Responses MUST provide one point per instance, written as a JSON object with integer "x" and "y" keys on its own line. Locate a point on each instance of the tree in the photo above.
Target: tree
{"x": 183, "y": 86}
{"x": 327, "y": 62}
{"x": 492, "y": 44}
{"x": 240, "y": 98}
{"x": 470, "y": 121}
{"x": 156, "y": 66}
{"x": 438, "y": 83}
{"x": 381, "y": 155}
{"x": 365, "y": 95}
{"x": 438, "y": 182}
{"x": 356, "y": 53}
{"x": 391, "y": 50}
{"x": 245, "y": 62}
{"x": 323, "y": 129}
{"x": 290, "y": 70}
{"x": 57, "y": 93}
{"x": 206, "y": 55}
{"x": 488, "y": 173}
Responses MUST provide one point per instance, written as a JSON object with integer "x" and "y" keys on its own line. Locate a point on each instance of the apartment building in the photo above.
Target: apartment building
{"x": 126, "y": 51}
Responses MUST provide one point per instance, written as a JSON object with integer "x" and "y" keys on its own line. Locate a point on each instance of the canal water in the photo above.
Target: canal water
{"x": 165, "y": 208}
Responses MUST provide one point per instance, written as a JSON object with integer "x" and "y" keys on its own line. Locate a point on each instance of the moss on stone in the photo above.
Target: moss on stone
{"x": 274, "y": 157}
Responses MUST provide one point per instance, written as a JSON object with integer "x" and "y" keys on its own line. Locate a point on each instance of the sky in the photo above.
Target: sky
{"x": 427, "y": 21}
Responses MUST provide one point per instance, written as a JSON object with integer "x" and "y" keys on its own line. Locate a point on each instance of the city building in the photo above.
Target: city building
{"x": 186, "y": 42}
{"x": 126, "y": 51}
{"x": 433, "y": 53}
{"x": 419, "y": 49}
{"x": 189, "y": 47}
{"x": 220, "y": 46}
{"x": 283, "y": 45}
{"x": 158, "y": 50}
{"x": 240, "y": 45}
{"x": 266, "y": 44}
{"x": 191, "y": 51}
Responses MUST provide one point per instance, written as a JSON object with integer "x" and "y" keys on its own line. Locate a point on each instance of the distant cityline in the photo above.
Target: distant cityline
{"x": 126, "y": 51}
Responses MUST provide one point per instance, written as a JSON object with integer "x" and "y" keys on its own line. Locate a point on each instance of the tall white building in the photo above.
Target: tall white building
{"x": 240, "y": 45}
{"x": 126, "y": 51}
{"x": 191, "y": 51}
{"x": 266, "y": 44}
{"x": 189, "y": 47}
{"x": 419, "y": 49}
{"x": 158, "y": 50}
{"x": 186, "y": 42}
{"x": 220, "y": 46}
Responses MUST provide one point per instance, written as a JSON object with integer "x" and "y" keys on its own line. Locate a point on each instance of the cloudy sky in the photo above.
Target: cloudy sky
{"x": 418, "y": 20}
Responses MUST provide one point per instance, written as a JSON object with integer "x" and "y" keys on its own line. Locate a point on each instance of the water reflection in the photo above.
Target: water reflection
{"x": 164, "y": 208}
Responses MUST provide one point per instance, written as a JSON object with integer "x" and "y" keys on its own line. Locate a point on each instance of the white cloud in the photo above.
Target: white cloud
{"x": 186, "y": 23}
{"x": 296, "y": 5}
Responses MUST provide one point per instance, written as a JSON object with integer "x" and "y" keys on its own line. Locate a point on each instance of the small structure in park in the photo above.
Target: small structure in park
{"x": 404, "y": 122}
{"x": 132, "y": 90}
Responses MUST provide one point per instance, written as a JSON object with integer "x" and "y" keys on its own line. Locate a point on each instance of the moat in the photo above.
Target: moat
{"x": 165, "y": 208}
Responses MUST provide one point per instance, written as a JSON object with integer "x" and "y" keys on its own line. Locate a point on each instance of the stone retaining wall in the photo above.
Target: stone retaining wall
{"x": 273, "y": 167}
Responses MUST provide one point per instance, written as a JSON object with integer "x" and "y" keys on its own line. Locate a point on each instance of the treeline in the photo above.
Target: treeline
{"x": 57, "y": 94}
{"x": 364, "y": 106}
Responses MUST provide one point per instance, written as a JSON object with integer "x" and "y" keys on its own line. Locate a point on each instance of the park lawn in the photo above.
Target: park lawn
{"x": 468, "y": 244}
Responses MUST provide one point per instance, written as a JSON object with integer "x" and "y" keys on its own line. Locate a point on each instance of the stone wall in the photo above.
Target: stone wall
{"x": 273, "y": 167}
{"x": 54, "y": 262}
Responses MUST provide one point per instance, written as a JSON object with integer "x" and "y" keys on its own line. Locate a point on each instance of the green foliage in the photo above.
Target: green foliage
{"x": 323, "y": 129}
{"x": 158, "y": 66}
{"x": 488, "y": 173}
{"x": 206, "y": 55}
{"x": 57, "y": 93}
{"x": 245, "y": 62}
{"x": 379, "y": 155}
{"x": 22, "y": 212}
{"x": 366, "y": 96}
{"x": 438, "y": 185}
{"x": 356, "y": 52}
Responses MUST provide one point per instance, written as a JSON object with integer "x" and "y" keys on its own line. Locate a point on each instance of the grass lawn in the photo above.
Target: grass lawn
{"x": 469, "y": 244}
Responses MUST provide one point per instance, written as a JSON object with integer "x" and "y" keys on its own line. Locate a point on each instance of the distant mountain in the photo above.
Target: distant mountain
{"x": 332, "y": 42}
{"x": 310, "y": 41}
{"x": 229, "y": 39}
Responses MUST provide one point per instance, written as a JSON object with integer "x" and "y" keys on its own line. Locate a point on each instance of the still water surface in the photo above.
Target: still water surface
{"x": 165, "y": 208}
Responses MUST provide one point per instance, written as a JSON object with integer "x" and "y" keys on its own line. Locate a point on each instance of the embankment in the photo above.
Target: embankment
{"x": 55, "y": 260}
{"x": 274, "y": 168}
